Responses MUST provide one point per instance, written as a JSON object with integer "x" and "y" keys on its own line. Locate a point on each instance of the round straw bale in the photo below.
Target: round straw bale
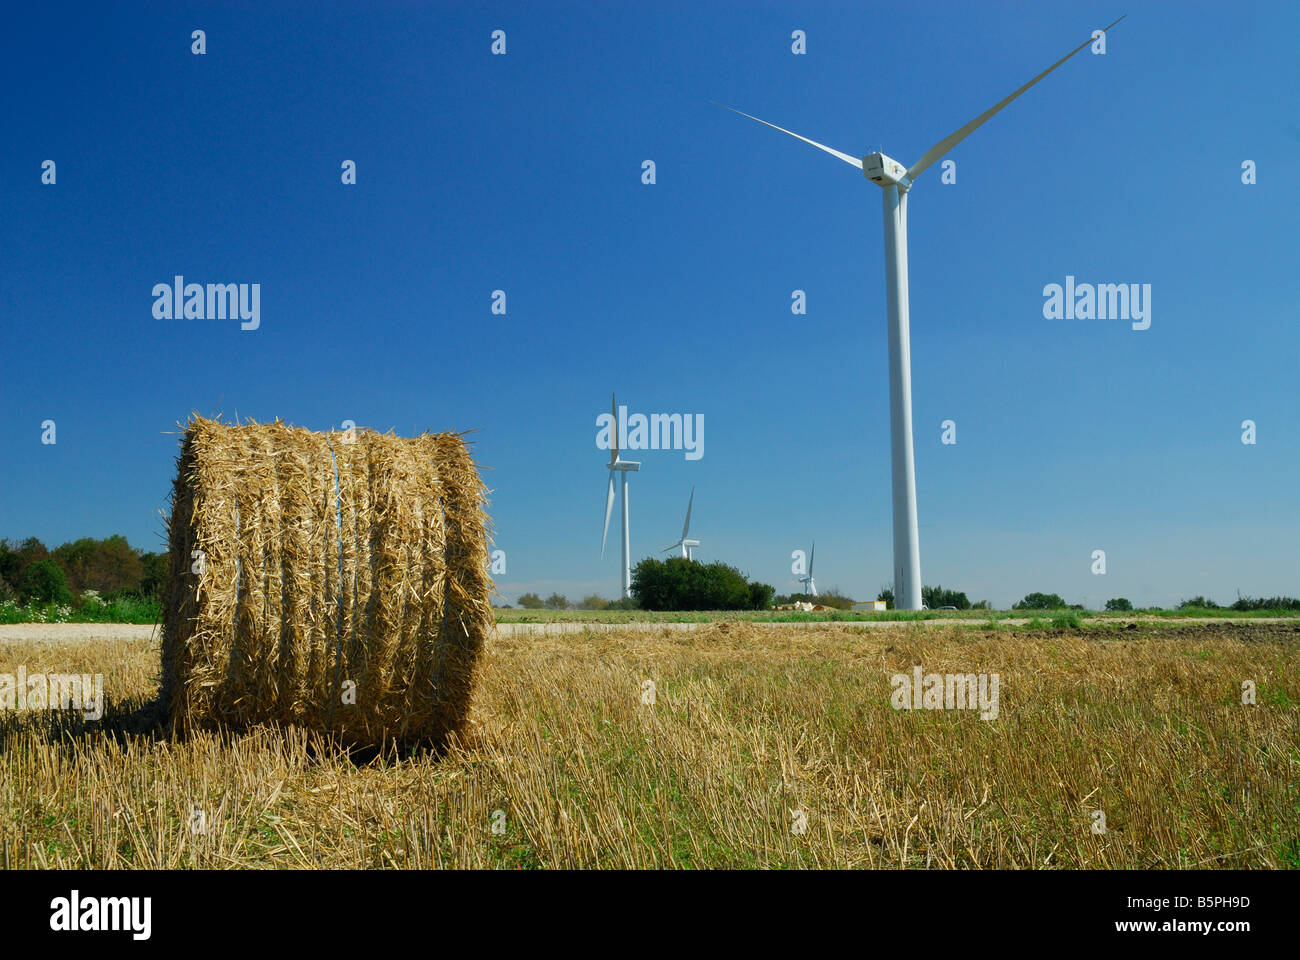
{"x": 336, "y": 581}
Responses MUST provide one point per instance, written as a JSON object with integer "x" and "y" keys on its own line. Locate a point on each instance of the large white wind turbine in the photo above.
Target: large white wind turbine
{"x": 687, "y": 546}
{"x": 809, "y": 584}
{"x": 895, "y": 182}
{"x": 622, "y": 467}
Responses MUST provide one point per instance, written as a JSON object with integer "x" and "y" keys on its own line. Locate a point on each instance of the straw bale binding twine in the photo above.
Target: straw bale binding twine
{"x": 309, "y": 568}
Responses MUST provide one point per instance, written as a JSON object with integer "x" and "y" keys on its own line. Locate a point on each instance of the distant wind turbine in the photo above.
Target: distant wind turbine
{"x": 809, "y": 584}
{"x": 623, "y": 467}
{"x": 687, "y": 546}
{"x": 896, "y": 181}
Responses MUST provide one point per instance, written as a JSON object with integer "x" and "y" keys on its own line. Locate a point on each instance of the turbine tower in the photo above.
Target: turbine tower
{"x": 622, "y": 467}
{"x": 896, "y": 181}
{"x": 809, "y": 584}
{"x": 687, "y": 546}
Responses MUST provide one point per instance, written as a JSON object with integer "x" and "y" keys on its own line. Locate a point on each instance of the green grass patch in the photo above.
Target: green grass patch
{"x": 117, "y": 610}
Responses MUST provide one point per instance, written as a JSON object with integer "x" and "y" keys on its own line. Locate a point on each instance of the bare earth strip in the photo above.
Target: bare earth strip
{"x": 81, "y": 632}
{"x": 76, "y": 632}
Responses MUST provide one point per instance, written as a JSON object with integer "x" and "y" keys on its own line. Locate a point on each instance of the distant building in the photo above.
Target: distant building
{"x": 869, "y": 606}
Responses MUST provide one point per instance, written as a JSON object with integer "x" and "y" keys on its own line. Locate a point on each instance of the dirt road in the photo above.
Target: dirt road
{"x": 79, "y": 632}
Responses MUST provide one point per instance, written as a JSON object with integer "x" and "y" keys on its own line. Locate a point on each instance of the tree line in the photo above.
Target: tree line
{"x": 675, "y": 588}
{"x": 558, "y": 601}
{"x": 32, "y": 573}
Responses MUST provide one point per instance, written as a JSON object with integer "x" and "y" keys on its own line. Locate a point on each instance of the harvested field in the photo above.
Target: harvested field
{"x": 753, "y": 733}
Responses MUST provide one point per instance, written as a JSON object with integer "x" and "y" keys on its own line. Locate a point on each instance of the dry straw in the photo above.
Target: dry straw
{"x": 313, "y": 569}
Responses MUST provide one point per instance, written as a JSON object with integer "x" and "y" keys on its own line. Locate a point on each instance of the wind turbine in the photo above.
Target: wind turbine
{"x": 895, "y": 181}
{"x": 809, "y": 584}
{"x": 688, "y": 546}
{"x": 623, "y": 467}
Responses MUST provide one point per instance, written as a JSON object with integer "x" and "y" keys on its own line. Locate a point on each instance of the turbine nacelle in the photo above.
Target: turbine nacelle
{"x": 687, "y": 548}
{"x": 685, "y": 544}
{"x": 885, "y": 171}
{"x": 809, "y": 582}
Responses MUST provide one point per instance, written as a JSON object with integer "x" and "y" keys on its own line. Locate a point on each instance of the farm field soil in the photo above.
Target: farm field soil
{"x": 79, "y": 632}
{"x": 732, "y": 745}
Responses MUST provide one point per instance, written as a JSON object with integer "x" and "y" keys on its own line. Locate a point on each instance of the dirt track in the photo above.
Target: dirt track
{"x": 74, "y": 632}
{"x": 79, "y": 632}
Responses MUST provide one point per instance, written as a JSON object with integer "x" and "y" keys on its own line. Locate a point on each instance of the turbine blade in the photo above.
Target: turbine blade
{"x": 957, "y": 136}
{"x": 673, "y": 547}
{"x": 687, "y": 526}
{"x": 609, "y": 510}
{"x": 812, "y": 557}
{"x": 855, "y": 161}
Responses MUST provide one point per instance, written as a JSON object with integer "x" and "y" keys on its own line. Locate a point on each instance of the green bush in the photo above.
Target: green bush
{"x": 44, "y": 582}
{"x": 107, "y": 565}
{"x": 936, "y": 597}
{"x": 760, "y": 595}
{"x": 681, "y": 584}
{"x": 1118, "y": 603}
{"x": 1040, "y": 601}
{"x": 155, "y": 567}
{"x": 16, "y": 558}
{"x": 1266, "y": 603}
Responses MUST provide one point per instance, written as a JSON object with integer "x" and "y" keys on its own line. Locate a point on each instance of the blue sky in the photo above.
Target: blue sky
{"x": 523, "y": 173}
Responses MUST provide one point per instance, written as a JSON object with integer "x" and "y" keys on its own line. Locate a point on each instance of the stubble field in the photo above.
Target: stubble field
{"x": 732, "y": 746}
